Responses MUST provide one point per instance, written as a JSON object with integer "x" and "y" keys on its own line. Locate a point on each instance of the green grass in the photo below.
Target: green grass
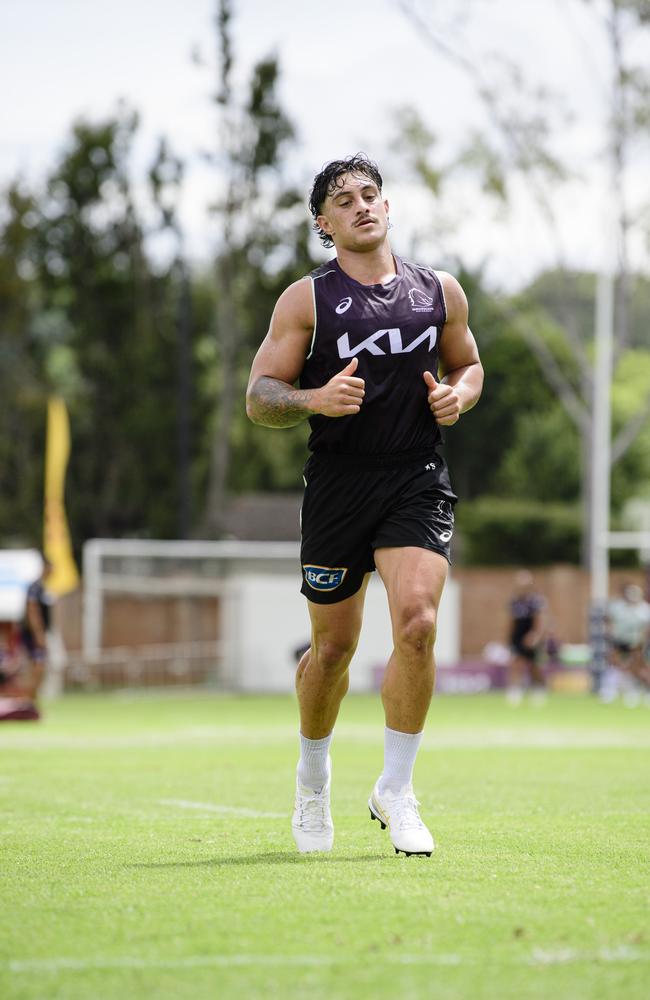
{"x": 128, "y": 872}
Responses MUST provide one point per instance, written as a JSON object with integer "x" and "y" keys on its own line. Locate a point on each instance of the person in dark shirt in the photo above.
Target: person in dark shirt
{"x": 384, "y": 358}
{"x": 35, "y": 626}
{"x": 527, "y": 634}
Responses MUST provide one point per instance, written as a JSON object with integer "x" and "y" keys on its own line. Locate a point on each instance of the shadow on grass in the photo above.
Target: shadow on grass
{"x": 269, "y": 858}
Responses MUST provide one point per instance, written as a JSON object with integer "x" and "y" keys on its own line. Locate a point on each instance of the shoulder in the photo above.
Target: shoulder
{"x": 34, "y": 591}
{"x": 296, "y": 303}
{"x": 455, "y": 297}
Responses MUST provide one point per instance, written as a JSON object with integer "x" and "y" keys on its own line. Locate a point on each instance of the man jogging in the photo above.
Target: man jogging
{"x": 366, "y": 336}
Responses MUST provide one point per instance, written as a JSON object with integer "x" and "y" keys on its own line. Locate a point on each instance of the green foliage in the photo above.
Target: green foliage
{"x": 500, "y": 531}
{"x": 543, "y": 461}
{"x": 22, "y": 377}
{"x": 91, "y": 319}
{"x": 506, "y": 531}
{"x": 568, "y": 296}
{"x": 514, "y": 390}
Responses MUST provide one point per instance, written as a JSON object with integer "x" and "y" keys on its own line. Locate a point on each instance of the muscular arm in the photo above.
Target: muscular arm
{"x": 271, "y": 399}
{"x": 273, "y": 403}
{"x": 462, "y": 382}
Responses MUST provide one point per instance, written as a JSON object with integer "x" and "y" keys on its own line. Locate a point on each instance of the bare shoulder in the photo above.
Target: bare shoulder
{"x": 295, "y": 307}
{"x": 455, "y": 298}
{"x": 282, "y": 353}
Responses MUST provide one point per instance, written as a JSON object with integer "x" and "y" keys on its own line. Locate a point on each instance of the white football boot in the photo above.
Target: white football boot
{"x": 399, "y": 812}
{"x": 312, "y": 825}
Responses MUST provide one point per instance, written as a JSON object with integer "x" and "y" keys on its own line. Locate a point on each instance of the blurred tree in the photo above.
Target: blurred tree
{"x": 166, "y": 177}
{"x": 94, "y": 268}
{"x": 262, "y": 243}
{"x": 477, "y": 445}
{"x": 105, "y": 336}
{"x": 23, "y": 388}
{"x": 521, "y": 123}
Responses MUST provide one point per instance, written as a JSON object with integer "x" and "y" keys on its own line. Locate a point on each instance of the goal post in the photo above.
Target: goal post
{"x": 165, "y": 610}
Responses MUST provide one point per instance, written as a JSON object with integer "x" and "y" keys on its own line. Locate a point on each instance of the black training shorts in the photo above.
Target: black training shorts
{"x": 354, "y": 505}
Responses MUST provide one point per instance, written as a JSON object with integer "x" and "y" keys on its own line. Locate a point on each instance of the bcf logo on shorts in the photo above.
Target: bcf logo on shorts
{"x": 324, "y": 577}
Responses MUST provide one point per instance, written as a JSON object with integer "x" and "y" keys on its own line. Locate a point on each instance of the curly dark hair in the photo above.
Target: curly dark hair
{"x": 327, "y": 181}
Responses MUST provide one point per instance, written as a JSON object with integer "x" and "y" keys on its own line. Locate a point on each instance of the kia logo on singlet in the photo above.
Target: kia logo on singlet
{"x": 393, "y": 342}
{"x": 343, "y": 306}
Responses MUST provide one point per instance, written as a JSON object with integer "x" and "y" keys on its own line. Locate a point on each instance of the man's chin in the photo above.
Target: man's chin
{"x": 368, "y": 239}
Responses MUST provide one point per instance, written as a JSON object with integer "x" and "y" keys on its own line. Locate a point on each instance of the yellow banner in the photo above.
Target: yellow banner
{"x": 56, "y": 536}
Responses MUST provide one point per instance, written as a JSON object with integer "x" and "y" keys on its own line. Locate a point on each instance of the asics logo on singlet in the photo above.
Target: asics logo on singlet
{"x": 420, "y": 301}
{"x": 324, "y": 577}
{"x": 392, "y": 339}
{"x": 343, "y": 306}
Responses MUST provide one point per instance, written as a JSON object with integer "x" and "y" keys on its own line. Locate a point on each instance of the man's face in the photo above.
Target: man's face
{"x": 524, "y": 583}
{"x": 354, "y": 214}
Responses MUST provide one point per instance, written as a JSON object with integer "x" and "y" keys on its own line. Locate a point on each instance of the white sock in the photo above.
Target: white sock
{"x": 400, "y": 751}
{"x": 312, "y": 766}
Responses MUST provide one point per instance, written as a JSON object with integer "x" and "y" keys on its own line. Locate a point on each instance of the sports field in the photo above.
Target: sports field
{"x": 147, "y": 852}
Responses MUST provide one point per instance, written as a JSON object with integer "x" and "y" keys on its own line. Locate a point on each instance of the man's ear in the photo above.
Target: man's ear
{"x": 324, "y": 224}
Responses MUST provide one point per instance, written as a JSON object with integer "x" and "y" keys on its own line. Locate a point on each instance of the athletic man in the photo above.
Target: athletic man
{"x": 365, "y": 335}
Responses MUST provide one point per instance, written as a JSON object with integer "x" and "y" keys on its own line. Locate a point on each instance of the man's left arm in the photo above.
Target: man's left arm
{"x": 462, "y": 381}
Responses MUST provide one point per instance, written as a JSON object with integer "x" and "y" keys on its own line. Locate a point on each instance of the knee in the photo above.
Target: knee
{"x": 416, "y": 630}
{"x": 333, "y": 655}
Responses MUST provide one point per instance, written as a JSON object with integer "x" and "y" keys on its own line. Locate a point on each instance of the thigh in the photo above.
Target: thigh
{"x": 339, "y": 622}
{"x": 414, "y": 578}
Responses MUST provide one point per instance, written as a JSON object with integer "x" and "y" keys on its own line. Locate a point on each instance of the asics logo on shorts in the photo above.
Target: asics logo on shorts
{"x": 324, "y": 577}
{"x": 445, "y": 514}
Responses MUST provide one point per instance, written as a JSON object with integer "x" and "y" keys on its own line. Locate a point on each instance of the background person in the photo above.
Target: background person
{"x": 35, "y": 626}
{"x": 365, "y": 335}
{"x": 628, "y": 629}
{"x": 527, "y": 637}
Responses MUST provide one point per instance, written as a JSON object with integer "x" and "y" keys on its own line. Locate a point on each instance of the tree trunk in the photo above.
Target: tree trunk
{"x": 214, "y": 513}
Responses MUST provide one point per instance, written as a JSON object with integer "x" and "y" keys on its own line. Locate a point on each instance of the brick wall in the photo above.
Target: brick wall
{"x": 485, "y": 592}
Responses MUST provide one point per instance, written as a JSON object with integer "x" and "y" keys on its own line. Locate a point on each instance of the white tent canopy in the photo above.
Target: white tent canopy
{"x": 18, "y": 568}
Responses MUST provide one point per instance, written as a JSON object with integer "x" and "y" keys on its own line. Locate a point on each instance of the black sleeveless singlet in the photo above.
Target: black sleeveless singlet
{"x": 393, "y": 330}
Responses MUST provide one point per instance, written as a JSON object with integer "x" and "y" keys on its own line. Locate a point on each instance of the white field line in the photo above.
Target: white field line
{"x": 451, "y": 739}
{"x": 535, "y": 737}
{"x": 567, "y": 956}
{"x": 622, "y": 953}
{"x": 224, "y": 810}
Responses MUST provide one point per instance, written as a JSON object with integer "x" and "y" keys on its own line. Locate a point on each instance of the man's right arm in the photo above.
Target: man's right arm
{"x": 271, "y": 399}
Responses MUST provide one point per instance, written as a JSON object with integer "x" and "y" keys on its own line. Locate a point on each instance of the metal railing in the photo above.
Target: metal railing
{"x": 156, "y": 665}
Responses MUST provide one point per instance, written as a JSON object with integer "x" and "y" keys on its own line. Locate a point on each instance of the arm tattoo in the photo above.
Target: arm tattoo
{"x": 274, "y": 403}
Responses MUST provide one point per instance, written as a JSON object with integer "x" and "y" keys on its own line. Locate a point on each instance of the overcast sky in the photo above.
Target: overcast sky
{"x": 347, "y": 70}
